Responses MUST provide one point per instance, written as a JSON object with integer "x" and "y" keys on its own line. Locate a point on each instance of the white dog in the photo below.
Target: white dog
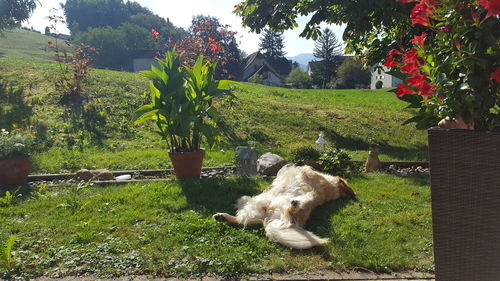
{"x": 285, "y": 206}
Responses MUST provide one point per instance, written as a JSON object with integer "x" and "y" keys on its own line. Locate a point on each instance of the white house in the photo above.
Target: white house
{"x": 379, "y": 74}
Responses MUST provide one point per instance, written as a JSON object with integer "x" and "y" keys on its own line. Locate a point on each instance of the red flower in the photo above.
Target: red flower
{"x": 403, "y": 90}
{"x": 214, "y": 46}
{"x": 393, "y": 52}
{"x": 419, "y": 82}
{"x": 389, "y": 62}
{"x": 155, "y": 33}
{"x": 493, "y": 6}
{"x": 421, "y": 12}
{"x": 419, "y": 40}
{"x": 412, "y": 62}
{"x": 495, "y": 76}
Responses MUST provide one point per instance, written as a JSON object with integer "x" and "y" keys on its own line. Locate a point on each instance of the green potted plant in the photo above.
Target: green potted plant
{"x": 183, "y": 111}
{"x": 15, "y": 163}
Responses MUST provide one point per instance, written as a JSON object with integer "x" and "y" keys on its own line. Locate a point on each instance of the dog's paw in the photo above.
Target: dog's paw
{"x": 220, "y": 217}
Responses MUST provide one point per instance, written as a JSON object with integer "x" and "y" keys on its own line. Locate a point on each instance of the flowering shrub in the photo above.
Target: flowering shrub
{"x": 14, "y": 144}
{"x": 452, "y": 67}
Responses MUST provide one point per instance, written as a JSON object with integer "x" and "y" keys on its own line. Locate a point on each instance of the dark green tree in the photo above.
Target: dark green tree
{"x": 326, "y": 48}
{"x": 272, "y": 44}
{"x": 109, "y": 42}
{"x": 81, "y": 15}
{"x": 13, "y": 12}
{"x": 94, "y": 13}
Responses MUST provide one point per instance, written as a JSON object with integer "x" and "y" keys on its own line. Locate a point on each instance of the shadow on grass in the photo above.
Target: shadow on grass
{"x": 320, "y": 223}
{"x": 2, "y": 55}
{"x": 210, "y": 196}
{"x": 350, "y": 143}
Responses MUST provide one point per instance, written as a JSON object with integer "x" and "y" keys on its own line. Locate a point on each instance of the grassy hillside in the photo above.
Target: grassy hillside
{"x": 23, "y": 44}
{"x": 274, "y": 119}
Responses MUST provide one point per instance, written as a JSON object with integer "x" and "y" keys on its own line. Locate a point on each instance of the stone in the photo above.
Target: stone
{"x": 246, "y": 161}
{"x": 91, "y": 175}
{"x": 269, "y": 164}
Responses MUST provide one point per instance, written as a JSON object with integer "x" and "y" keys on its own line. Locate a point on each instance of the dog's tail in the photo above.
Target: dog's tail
{"x": 292, "y": 236}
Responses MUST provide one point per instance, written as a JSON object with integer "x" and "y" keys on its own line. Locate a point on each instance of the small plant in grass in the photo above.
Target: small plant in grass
{"x": 336, "y": 161}
{"x": 83, "y": 117}
{"x": 8, "y": 256}
{"x": 85, "y": 234}
{"x": 305, "y": 153}
{"x": 7, "y": 200}
{"x": 41, "y": 191}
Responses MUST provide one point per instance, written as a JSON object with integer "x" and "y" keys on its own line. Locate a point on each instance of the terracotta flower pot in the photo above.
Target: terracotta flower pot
{"x": 14, "y": 171}
{"x": 465, "y": 187}
{"x": 187, "y": 165}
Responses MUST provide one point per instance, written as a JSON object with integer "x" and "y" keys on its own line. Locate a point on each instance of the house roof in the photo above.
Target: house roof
{"x": 280, "y": 66}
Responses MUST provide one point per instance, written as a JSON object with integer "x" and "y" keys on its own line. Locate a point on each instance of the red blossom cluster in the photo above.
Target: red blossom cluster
{"x": 421, "y": 12}
{"x": 411, "y": 63}
{"x": 215, "y": 47}
{"x": 155, "y": 33}
{"x": 493, "y": 6}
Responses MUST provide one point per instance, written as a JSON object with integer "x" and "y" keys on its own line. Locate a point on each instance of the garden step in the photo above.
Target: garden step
{"x": 316, "y": 276}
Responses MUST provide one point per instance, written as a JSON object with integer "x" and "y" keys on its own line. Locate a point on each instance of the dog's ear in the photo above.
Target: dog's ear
{"x": 345, "y": 189}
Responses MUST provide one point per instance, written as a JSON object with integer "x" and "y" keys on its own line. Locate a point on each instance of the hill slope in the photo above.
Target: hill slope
{"x": 271, "y": 119}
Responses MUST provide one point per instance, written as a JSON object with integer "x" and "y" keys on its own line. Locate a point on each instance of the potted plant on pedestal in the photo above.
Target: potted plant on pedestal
{"x": 182, "y": 109}
{"x": 452, "y": 72}
{"x": 15, "y": 163}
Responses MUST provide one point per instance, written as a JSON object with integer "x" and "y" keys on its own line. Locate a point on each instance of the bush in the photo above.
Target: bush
{"x": 299, "y": 79}
{"x": 13, "y": 108}
{"x": 14, "y": 144}
{"x": 336, "y": 161}
{"x": 303, "y": 153}
{"x": 379, "y": 84}
{"x": 257, "y": 79}
{"x": 351, "y": 75}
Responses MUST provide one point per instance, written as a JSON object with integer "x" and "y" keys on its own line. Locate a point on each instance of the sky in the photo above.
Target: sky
{"x": 180, "y": 14}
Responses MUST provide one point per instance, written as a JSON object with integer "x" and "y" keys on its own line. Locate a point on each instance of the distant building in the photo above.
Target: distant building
{"x": 273, "y": 70}
{"x": 379, "y": 74}
{"x": 143, "y": 59}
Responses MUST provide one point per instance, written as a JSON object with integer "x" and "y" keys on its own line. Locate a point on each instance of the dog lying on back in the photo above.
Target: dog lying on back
{"x": 286, "y": 205}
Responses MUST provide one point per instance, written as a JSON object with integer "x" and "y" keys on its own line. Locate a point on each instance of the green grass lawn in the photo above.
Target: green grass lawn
{"x": 271, "y": 119}
{"x": 166, "y": 229}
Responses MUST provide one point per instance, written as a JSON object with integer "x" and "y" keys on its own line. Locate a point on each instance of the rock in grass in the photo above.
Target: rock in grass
{"x": 269, "y": 164}
{"x": 91, "y": 175}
